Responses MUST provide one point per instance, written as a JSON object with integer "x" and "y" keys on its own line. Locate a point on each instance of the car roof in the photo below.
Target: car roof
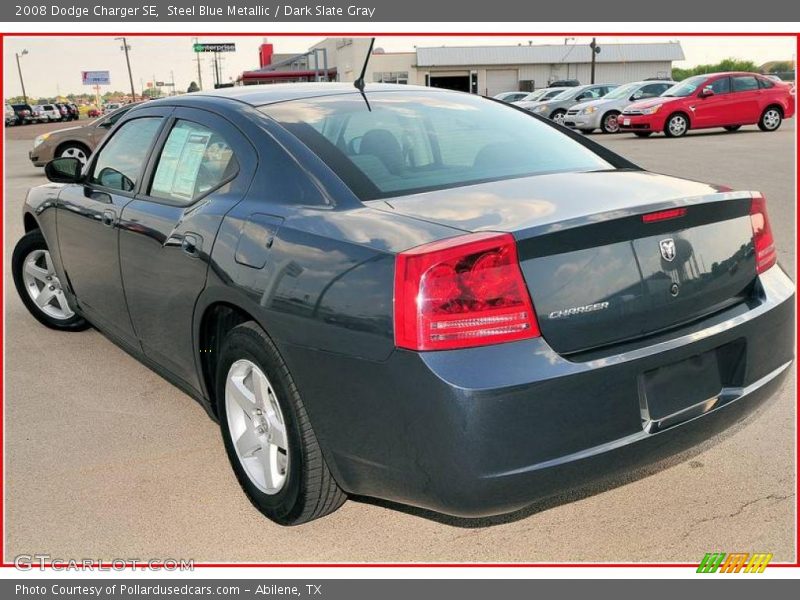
{"x": 729, "y": 73}
{"x": 259, "y": 95}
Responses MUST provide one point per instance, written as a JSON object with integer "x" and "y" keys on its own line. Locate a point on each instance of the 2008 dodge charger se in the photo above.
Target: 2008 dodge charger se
{"x": 409, "y": 293}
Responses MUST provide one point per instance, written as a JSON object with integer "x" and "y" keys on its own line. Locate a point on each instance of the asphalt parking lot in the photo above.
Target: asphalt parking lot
{"x": 104, "y": 459}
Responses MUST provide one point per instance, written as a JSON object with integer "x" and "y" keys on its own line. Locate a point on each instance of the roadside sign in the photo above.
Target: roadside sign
{"x": 224, "y": 47}
{"x": 95, "y": 78}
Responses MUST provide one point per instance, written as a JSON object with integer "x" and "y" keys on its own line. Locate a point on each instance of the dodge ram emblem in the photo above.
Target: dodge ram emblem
{"x": 667, "y": 249}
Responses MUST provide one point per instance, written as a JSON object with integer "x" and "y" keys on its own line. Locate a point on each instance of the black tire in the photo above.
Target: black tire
{"x": 771, "y": 119}
{"x": 558, "y": 116}
{"x": 670, "y": 125}
{"x": 586, "y": 131}
{"x": 30, "y": 242}
{"x": 310, "y": 491}
{"x": 733, "y": 128}
{"x": 608, "y": 123}
{"x": 642, "y": 134}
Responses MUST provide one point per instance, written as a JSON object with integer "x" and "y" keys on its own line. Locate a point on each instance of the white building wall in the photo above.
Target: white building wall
{"x": 347, "y": 55}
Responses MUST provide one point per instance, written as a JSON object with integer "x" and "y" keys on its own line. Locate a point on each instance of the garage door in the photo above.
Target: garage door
{"x": 501, "y": 80}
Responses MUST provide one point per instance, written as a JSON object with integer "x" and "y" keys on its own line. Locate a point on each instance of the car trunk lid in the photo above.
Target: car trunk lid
{"x": 609, "y": 256}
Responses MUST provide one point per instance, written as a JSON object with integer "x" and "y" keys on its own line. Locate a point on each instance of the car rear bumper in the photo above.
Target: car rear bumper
{"x": 640, "y": 123}
{"x": 489, "y": 430}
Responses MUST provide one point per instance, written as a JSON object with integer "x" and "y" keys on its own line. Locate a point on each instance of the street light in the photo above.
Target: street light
{"x": 126, "y": 47}
{"x": 21, "y": 81}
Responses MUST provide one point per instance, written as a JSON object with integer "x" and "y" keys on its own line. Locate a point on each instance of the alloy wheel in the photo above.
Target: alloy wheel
{"x": 257, "y": 427}
{"x": 44, "y": 287}
{"x": 771, "y": 119}
{"x": 74, "y": 152}
{"x": 611, "y": 124}
{"x": 677, "y": 125}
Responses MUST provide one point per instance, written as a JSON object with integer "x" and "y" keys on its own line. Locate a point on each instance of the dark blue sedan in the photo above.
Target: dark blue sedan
{"x": 409, "y": 293}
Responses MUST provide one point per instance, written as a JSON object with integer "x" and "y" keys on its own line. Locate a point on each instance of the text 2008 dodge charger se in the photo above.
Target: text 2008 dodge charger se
{"x": 412, "y": 294}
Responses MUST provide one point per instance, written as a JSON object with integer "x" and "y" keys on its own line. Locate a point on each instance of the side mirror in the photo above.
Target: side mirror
{"x": 66, "y": 169}
{"x": 105, "y": 124}
{"x": 706, "y": 92}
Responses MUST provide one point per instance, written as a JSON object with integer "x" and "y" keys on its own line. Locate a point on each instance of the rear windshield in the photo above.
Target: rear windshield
{"x": 405, "y": 143}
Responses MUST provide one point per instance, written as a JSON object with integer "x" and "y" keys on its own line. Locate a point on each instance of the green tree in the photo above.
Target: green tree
{"x": 729, "y": 64}
{"x": 193, "y": 87}
{"x": 781, "y": 66}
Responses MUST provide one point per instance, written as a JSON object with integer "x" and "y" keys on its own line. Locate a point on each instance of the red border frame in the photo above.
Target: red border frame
{"x": 107, "y": 566}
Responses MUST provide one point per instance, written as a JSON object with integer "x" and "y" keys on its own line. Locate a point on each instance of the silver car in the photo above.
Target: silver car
{"x": 556, "y": 108}
{"x": 510, "y": 96}
{"x": 602, "y": 113}
{"x": 532, "y": 99}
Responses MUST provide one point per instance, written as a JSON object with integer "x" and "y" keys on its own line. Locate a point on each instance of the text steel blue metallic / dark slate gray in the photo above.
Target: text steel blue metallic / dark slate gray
{"x": 411, "y": 294}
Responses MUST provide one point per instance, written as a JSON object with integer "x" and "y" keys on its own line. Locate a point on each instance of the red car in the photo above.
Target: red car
{"x": 727, "y": 100}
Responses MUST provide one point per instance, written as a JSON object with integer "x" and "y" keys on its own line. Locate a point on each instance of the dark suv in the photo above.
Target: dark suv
{"x": 24, "y": 114}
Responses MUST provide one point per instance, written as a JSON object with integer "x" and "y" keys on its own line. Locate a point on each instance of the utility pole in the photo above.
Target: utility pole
{"x": 172, "y": 79}
{"x": 125, "y": 47}
{"x": 595, "y": 51}
{"x": 199, "y": 72}
{"x": 19, "y": 70}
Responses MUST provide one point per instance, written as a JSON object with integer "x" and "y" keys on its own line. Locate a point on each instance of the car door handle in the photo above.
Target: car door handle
{"x": 109, "y": 218}
{"x": 192, "y": 244}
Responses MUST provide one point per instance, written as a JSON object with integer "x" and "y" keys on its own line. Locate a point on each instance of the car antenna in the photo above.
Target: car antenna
{"x": 359, "y": 83}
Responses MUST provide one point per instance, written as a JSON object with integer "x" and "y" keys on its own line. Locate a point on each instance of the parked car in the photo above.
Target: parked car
{"x": 94, "y": 112}
{"x": 510, "y": 96}
{"x": 110, "y": 107}
{"x": 412, "y": 294}
{"x": 11, "y": 116}
{"x": 24, "y": 114}
{"x": 727, "y": 100}
{"x": 556, "y": 108}
{"x": 39, "y": 115}
{"x": 47, "y": 113}
{"x": 543, "y": 94}
{"x": 62, "y": 108}
{"x": 564, "y": 83}
{"x": 74, "y": 112}
{"x": 77, "y": 142}
{"x": 602, "y": 113}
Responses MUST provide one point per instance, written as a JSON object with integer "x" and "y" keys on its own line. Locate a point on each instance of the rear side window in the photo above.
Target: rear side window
{"x": 765, "y": 83}
{"x": 744, "y": 83}
{"x": 412, "y": 142}
{"x": 121, "y": 161}
{"x": 194, "y": 161}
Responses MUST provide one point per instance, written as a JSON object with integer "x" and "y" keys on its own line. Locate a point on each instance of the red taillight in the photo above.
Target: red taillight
{"x": 664, "y": 215}
{"x": 461, "y": 292}
{"x": 766, "y": 256}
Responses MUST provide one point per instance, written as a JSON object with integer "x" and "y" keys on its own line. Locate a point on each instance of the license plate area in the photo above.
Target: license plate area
{"x": 676, "y": 392}
{"x": 626, "y": 121}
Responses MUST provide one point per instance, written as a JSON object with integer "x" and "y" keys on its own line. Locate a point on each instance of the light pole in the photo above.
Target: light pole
{"x": 125, "y": 47}
{"x": 19, "y": 69}
{"x": 199, "y": 73}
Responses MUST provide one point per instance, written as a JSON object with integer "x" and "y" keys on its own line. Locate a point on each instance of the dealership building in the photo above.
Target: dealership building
{"x": 485, "y": 70}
